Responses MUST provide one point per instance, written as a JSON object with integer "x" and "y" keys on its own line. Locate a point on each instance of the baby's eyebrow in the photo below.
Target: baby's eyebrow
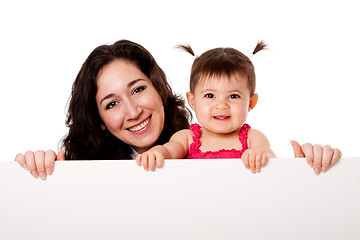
{"x": 207, "y": 90}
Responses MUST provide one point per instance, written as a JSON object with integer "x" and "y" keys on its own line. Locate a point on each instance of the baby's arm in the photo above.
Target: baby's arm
{"x": 259, "y": 151}
{"x": 176, "y": 148}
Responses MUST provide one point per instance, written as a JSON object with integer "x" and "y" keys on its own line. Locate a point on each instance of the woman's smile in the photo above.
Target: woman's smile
{"x": 141, "y": 126}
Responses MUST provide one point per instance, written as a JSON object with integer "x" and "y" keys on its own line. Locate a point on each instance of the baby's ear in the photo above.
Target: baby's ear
{"x": 190, "y": 100}
{"x": 253, "y": 101}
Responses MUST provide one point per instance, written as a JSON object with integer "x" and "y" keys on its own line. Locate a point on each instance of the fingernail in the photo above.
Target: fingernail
{"x": 48, "y": 171}
{"x": 34, "y": 174}
{"x": 324, "y": 169}
{"x": 25, "y": 166}
{"x": 42, "y": 175}
{"x": 317, "y": 171}
{"x": 311, "y": 164}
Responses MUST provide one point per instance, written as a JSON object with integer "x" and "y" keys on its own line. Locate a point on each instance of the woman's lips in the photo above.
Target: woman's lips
{"x": 140, "y": 126}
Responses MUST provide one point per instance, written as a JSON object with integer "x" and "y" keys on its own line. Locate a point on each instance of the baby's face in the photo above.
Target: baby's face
{"x": 221, "y": 104}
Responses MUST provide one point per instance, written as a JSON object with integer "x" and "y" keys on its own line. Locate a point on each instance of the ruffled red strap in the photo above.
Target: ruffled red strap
{"x": 243, "y": 136}
{"x": 195, "y": 145}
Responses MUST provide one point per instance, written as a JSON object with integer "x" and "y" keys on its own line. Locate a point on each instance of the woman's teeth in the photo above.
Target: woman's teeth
{"x": 140, "y": 126}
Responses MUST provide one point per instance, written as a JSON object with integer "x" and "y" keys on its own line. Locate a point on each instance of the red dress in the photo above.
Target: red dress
{"x": 196, "y": 153}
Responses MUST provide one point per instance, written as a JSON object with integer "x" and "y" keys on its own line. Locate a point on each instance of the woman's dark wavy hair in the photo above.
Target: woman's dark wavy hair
{"x": 223, "y": 61}
{"x": 86, "y": 139}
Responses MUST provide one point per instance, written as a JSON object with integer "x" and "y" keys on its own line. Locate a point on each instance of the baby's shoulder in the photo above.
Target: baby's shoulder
{"x": 254, "y": 132}
{"x": 183, "y": 136}
{"x": 183, "y": 133}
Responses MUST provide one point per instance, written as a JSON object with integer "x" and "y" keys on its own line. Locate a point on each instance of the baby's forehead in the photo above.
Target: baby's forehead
{"x": 222, "y": 83}
{"x": 223, "y": 79}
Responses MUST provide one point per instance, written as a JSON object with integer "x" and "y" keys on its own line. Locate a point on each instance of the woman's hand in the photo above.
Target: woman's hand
{"x": 40, "y": 164}
{"x": 320, "y": 158}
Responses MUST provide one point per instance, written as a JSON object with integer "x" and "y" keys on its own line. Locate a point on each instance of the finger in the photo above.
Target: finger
{"x": 298, "y": 153}
{"x": 50, "y": 157}
{"x": 252, "y": 159}
{"x": 264, "y": 160}
{"x": 318, "y": 150}
{"x": 152, "y": 162}
{"x": 61, "y": 155}
{"x": 20, "y": 159}
{"x": 245, "y": 160}
{"x": 40, "y": 163}
{"x": 328, "y": 153}
{"x": 138, "y": 160}
{"x": 258, "y": 162}
{"x": 336, "y": 157}
{"x": 144, "y": 161}
{"x": 307, "y": 149}
{"x": 159, "y": 161}
{"x": 30, "y": 162}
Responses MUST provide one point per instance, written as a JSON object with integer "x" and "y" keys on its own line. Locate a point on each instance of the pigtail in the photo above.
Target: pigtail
{"x": 186, "y": 48}
{"x": 259, "y": 46}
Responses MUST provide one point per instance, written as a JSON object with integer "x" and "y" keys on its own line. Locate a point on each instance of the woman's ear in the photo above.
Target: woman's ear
{"x": 103, "y": 126}
{"x": 190, "y": 100}
{"x": 253, "y": 101}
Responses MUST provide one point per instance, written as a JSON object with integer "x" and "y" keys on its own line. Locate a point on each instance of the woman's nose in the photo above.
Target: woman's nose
{"x": 133, "y": 110}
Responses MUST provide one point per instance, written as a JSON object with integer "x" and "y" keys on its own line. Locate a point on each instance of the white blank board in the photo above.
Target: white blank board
{"x": 186, "y": 199}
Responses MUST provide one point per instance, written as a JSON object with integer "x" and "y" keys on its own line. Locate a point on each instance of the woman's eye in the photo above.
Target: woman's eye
{"x": 139, "y": 89}
{"x": 209, "y": 95}
{"x": 234, "y": 96}
{"x": 110, "y": 105}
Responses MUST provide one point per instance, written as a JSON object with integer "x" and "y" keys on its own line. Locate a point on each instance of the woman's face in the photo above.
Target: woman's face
{"x": 129, "y": 105}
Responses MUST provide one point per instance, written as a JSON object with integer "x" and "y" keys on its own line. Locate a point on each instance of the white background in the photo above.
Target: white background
{"x": 308, "y": 82}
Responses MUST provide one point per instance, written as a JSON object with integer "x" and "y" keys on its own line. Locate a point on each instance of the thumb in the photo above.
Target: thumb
{"x": 61, "y": 155}
{"x": 298, "y": 153}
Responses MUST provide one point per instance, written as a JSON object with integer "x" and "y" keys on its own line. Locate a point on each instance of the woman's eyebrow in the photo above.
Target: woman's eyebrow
{"x": 135, "y": 81}
{"x": 129, "y": 85}
{"x": 107, "y": 97}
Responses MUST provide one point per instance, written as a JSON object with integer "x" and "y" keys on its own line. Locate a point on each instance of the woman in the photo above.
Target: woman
{"x": 121, "y": 105}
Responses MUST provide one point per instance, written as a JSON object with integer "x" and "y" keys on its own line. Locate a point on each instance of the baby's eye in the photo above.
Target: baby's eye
{"x": 139, "y": 89}
{"x": 209, "y": 95}
{"x": 110, "y": 105}
{"x": 234, "y": 96}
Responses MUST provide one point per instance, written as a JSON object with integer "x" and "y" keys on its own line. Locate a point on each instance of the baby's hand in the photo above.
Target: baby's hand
{"x": 318, "y": 157}
{"x": 151, "y": 159}
{"x": 254, "y": 159}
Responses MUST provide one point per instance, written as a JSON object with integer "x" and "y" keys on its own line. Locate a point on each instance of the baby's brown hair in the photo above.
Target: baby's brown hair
{"x": 223, "y": 61}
